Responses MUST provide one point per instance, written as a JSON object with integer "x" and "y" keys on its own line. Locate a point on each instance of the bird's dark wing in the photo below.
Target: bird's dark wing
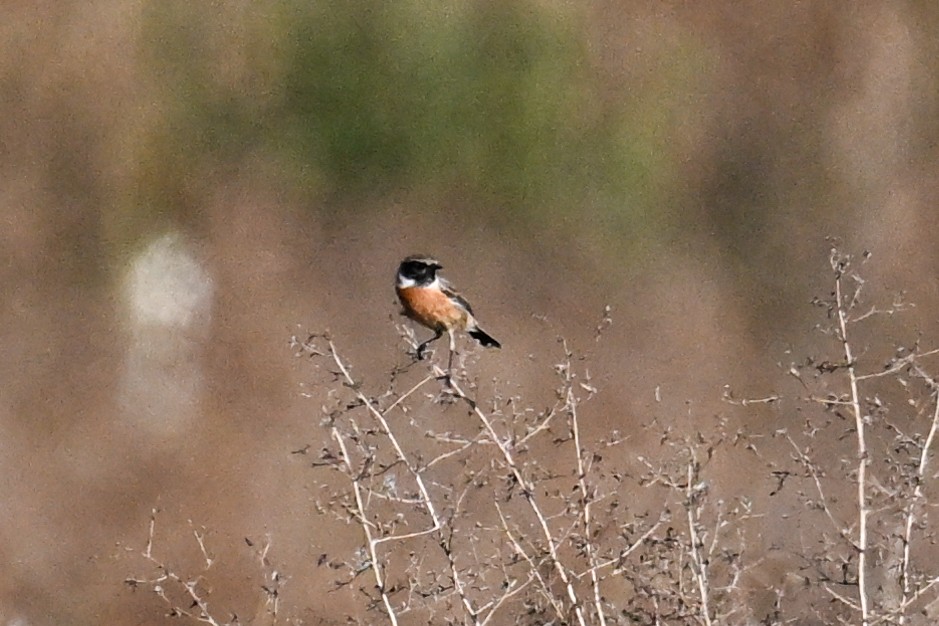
{"x": 451, "y": 293}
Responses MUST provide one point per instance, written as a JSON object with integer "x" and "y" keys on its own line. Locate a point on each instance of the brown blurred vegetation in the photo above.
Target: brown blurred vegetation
{"x": 682, "y": 162}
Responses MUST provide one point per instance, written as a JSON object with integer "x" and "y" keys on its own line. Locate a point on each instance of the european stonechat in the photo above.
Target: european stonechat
{"x": 430, "y": 301}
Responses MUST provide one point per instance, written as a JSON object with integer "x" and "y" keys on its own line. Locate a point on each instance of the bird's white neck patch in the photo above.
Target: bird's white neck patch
{"x": 404, "y": 283}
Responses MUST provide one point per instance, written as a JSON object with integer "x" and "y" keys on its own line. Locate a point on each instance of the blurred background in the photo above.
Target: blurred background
{"x": 185, "y": 186}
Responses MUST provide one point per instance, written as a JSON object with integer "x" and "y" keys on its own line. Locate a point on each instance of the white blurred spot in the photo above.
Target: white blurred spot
{"x": 167, "y": 286}
{"x": 168, "y": 302}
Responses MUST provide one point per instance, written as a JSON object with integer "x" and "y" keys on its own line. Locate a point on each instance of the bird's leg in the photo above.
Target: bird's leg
{"x": 423, "y": 346}
{"x": 452, "y": 350}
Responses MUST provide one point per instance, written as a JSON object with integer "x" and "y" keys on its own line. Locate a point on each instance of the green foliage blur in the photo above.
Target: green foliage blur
{"x": 497, "y": 101}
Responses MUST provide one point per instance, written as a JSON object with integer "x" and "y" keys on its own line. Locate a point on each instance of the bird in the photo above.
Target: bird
{"x": 430, "y": 301}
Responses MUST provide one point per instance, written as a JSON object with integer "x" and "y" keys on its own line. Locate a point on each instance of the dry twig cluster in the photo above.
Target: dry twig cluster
{"x": 513, "y": 515}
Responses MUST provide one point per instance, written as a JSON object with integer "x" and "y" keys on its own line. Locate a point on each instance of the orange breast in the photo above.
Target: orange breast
{"x": 432, "y": 308}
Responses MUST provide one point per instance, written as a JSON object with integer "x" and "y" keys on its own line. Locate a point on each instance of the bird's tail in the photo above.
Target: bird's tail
{"x": 482, "y": 337}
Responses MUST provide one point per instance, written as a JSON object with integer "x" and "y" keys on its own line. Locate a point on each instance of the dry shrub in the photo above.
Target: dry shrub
{"x": 476, "y": 507}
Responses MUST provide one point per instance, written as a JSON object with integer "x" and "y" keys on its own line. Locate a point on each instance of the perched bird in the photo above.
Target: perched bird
{"x": 430, "y": 301}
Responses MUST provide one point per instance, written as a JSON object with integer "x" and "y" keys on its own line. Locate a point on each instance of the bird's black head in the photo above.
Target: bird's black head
{"x": 417, "y": 271}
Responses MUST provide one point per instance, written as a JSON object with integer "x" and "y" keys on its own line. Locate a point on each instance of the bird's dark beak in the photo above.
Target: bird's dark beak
{"x": 437, "y": 266}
